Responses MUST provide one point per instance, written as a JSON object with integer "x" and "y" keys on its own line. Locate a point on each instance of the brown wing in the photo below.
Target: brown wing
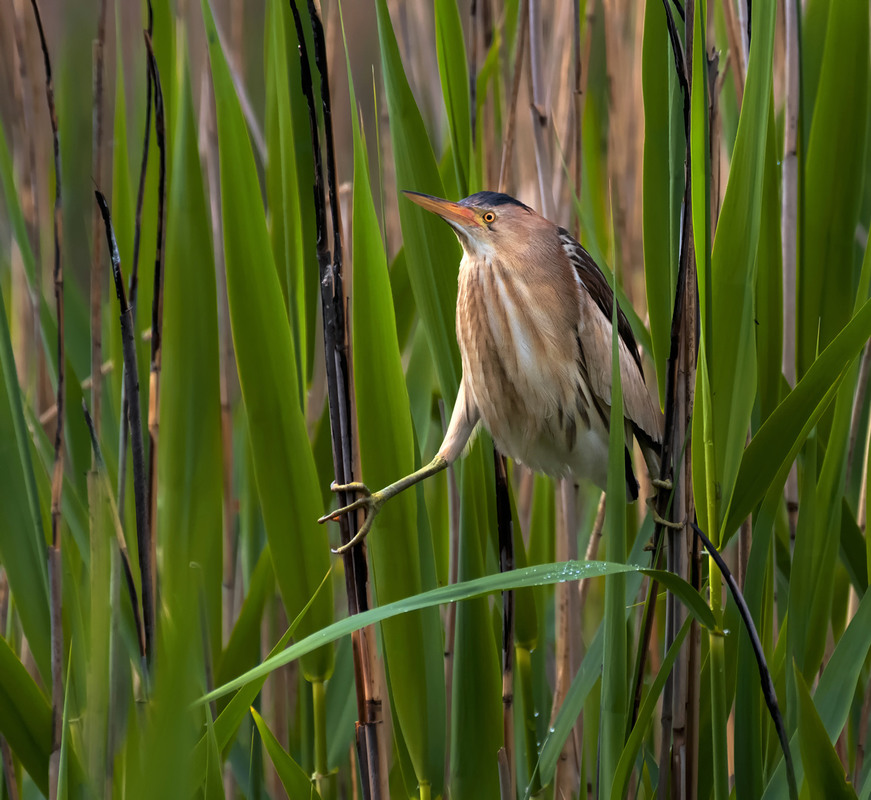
{"x": 594, "y": 340}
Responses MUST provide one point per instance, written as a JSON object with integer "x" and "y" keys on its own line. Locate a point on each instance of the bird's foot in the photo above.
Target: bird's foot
{"x": 659, "y": 520}
{"x": 371, "y": 501}
{"x": 666, "y": 485}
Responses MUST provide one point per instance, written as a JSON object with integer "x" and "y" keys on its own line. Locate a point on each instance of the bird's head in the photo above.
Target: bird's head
{"x": 488, "y": 224}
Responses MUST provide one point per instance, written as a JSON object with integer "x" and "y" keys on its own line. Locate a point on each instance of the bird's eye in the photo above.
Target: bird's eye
{"x": 489, "y": 217}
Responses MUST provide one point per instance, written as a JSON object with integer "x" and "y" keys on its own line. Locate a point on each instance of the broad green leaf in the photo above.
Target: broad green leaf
{"x": 412, "y": 642}
{"x": 835, "y": 691}
{"x": 236, "y": 708}
{"x": 823, "y": 770}
{"x": 773, "y": 449}
{"x": 834, "y": 175}
{"x": 25, "y": 717}
{"x": 769, "y": 281}
{"x": 190, "y": 456}
{"x": 284, "y": 466}
{"x": 662, "y": 121}
{"x": 22, "y": 540}
{"x": 730, "y": 325}
{"x": 539, "y": 575}
{"x": 431, "y": 250}
{"x": 476, "y": 713}
{"x": 243, "y": 649}
{"x": 283, "y": 191}
{"x": 294, "y": 780}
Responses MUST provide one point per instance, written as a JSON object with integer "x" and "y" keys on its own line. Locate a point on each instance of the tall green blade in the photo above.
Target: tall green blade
{"x": 412, "y": 642}
{"x": 834, "y": 175}
{"x": 22, "y": 540}
{"x": 190, "y": 454}
{"x": 287, "y": 482}
{"x": 730, "y": 327}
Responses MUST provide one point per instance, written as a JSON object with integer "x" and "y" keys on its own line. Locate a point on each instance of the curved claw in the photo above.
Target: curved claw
{"x": 334, "y": 515}
{"x": 373, "y": 505}
{"x": 666, "y": 523}
{"x": 361, "y": 488}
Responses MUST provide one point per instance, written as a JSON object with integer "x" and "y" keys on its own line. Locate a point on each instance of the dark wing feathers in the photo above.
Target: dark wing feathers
{"x": 639, "y": 408}
{"x": 599, "y": 288}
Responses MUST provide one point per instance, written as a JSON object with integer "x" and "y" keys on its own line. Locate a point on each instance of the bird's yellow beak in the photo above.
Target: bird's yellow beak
{"x": 463, "y": 216}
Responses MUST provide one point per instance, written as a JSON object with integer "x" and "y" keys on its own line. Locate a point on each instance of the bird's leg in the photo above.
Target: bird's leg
{"x": 372, "y": 501}
{"x": 666, "y": 486}
{"x": 462, "y": 424}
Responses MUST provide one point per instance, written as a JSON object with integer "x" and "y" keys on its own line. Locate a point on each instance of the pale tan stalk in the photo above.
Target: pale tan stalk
{"x": 508, "y": 141}
{"x": 737, "y": 53}
{"x": 540, "y": 113}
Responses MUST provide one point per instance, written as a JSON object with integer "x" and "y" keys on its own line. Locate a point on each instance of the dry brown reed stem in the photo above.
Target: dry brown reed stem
{"x": 678, "y": 383}
{"x": 511, "y": 123}
{"x": 97, "y": 251}
{"x": 538, "y": 110}
{"x": 54, "y": 554}
{"x": 133, "y": 290}
{"x": 371, "y": 735}
{"x": 737, "y": 53}
{"x": 581, "y": 74}
{"x": 131, "y": 377}
{"x": 679, "y": 720}
{"x": 592, "y": 550}
{"x": 683, "y": 549}
{"x": 156, "y": 309}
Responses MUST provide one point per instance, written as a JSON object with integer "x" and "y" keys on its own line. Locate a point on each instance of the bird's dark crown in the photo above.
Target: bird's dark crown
{"x": 492, "y": 199}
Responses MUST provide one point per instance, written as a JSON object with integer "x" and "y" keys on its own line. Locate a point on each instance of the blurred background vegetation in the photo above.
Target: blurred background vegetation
{"x": 580, "y": 108}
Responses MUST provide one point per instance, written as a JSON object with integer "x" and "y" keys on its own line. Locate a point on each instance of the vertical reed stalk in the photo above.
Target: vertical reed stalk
{"x": 131, "y": 376}
{"x": 371, "y": 747}
{"x": 508, "y": 140}
{"x": 54, "y": 551}
{"x": 156, "y": 311}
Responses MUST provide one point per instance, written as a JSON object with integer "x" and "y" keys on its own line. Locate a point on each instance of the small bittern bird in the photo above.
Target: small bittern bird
{"x": 534, "y": 329}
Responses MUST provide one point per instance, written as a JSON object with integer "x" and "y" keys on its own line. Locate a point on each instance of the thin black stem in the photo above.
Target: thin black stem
{"x": 679, "y": 64}
{"x": 326, "y": 107}
{"x": 336, "y": 350}
{"x": 765, "y": 680}
{"x": 131, "y": 377}
{"x": 134, "y": 272}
